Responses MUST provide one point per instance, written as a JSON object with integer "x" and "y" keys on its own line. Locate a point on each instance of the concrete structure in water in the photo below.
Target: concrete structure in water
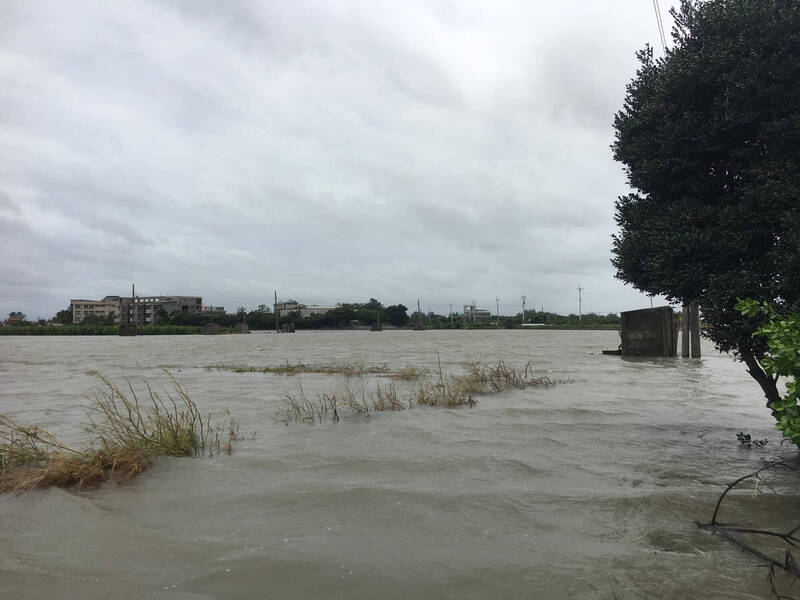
{"x": 649, "y": 332}
{"x": 654, "y": 332}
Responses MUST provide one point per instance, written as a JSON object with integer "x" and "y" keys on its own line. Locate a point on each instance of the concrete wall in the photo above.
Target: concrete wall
{"x": 649, "y": 332}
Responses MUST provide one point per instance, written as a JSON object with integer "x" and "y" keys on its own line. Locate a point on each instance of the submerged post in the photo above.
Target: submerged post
{"x": 277, "y": 314}
{"x": 694, "y": 326}
{"x": 685, "y": 331}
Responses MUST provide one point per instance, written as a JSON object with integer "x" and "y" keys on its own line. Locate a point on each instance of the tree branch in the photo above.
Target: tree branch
{"x": 733, "y": 532}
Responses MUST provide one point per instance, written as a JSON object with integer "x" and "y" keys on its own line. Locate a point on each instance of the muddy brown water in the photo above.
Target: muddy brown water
{"x": 589, "y": 489}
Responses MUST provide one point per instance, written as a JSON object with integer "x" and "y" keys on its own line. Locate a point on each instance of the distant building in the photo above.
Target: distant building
{"x": 474, "y": 314}
{"x": 283, "y": 309}
{"x": 143, "y": 310}
{"x": 15, "y": 318}
{"x": 101, "y": 309}
{"x": 212, "y": 311}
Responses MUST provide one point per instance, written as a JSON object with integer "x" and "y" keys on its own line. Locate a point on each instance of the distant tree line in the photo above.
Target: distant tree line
{"x": 458, "y": 321}
{"x": 347, "y": 315}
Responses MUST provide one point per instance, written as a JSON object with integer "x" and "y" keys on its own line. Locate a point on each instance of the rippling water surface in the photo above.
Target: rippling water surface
{"x": 589, "y": 489}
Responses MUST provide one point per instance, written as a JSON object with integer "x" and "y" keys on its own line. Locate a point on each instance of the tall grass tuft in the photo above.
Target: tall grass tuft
{"x": 171, "y": 426}
{"x": 387, "y": 398}
{"x": 298, "y": 408}
{"x": 127, "y": 432}
{"x": 354, "y": 396}
{"x": 502, "y": 377}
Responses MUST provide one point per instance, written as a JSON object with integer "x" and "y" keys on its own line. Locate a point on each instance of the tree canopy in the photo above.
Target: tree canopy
{"x": 709, "y": 136}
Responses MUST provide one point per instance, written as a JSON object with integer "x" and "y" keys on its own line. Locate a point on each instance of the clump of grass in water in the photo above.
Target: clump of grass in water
{"x": 289, "y": 369}
{"x": 31, "y": 457}
{"x": 172, "y": 427}
{"x": 352, "y": 397}
{"x": 298, "y": 408}
{"x": 348, "y": 369}
{"x": 127, "y": 434}
{"x": 409, "y": 373}
{"x": 386, "y": 398}
{"x": 451, "y": 391}
{"x": 502, "y": 377}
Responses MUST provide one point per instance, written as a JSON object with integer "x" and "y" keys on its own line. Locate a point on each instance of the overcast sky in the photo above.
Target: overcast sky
{"x": 334, "y": 151}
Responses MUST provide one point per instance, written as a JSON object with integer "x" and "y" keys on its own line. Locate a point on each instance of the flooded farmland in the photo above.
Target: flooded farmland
{"x": 586, "y": 489}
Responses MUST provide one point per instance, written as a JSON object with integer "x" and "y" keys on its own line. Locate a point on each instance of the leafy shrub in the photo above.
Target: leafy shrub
{"x": 782, "y": 334}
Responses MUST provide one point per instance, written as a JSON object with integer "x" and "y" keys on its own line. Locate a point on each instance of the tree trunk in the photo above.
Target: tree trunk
{"x": 767, "y": 382}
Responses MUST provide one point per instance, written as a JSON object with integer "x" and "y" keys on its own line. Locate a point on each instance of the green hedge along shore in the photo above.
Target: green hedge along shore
{"x": 194, "y": 329}
{"x": 98, "y": 330}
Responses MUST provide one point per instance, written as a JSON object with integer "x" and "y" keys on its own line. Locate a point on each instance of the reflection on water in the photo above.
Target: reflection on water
{"x": 588, "y": 489}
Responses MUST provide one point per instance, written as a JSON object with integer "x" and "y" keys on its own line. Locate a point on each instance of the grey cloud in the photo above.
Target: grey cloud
{"x": 334, "y": 151}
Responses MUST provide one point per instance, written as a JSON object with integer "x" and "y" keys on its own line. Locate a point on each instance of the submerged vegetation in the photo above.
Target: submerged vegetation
{"x": 128, "y": 432}
{"x": 502, "y": 377}
{"x": 350, "y": 369}
{"x": 439, "y": 390}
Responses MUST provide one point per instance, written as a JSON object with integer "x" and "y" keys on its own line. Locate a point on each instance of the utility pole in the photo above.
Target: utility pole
{"x": 277, "y": 314}
{"x": 523, "y": 308}
{"x": 580, "y": 302}
{"x": 497, "y": 301}
{"x": 451, "y": 314}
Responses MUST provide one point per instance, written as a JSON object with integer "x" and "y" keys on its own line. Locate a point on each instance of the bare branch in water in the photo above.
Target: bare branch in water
{"x": 735, "y": 533}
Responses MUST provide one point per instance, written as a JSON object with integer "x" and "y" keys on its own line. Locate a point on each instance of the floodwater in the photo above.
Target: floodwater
{"x": 589, "y": 489}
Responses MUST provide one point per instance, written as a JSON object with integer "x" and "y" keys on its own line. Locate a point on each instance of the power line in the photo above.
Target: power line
{"x": 660, "y": 26}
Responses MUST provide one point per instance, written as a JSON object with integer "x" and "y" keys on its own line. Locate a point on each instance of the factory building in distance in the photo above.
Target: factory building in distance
{"x": 139, "y": 310}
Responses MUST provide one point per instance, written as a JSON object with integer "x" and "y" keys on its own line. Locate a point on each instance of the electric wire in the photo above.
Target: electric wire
{"x": 660, "y": 24}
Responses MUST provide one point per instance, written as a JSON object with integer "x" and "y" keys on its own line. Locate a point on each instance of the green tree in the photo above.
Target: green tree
{"x": 373, "y": 304}
{"x": 396, "y": 315}
{"x": 64, "y": 316}
{"x": 162, "y": 318}
{"x": 709, "y": 137}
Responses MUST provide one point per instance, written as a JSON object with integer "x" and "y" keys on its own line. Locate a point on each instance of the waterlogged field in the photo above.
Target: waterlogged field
{"x": 581, "y": 478}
